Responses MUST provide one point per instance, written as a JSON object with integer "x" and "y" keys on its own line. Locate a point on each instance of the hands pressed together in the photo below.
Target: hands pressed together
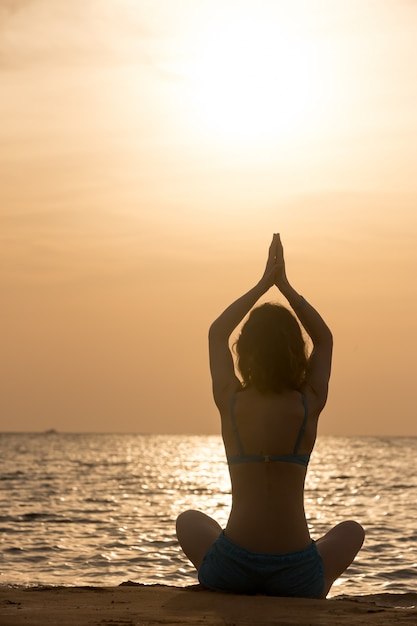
{"x": 274, "y": 273}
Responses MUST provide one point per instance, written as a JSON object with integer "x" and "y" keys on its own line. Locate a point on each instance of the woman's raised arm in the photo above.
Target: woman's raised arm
{"x": 319, "y": 365}
{"x": 221, "y": 361}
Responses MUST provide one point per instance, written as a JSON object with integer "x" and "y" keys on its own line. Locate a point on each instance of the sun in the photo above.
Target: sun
{"x": 251, "y": 78}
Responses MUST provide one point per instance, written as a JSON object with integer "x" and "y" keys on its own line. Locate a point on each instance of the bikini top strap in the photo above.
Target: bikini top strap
{"x": 303, "y": 425}
{"x": 234, "y": 427}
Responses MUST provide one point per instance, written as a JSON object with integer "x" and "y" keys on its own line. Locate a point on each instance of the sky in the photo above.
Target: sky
{"x": 149, "y": 149}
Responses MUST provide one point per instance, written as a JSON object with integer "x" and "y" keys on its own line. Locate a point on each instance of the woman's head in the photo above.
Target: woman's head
{"x": 271, "y": 350}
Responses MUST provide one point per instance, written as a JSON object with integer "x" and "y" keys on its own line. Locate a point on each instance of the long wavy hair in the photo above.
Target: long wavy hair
{"x": 271, "y": 351}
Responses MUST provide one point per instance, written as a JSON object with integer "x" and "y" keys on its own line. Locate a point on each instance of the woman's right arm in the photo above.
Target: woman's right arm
{"x": 222, "y": 369}
{"x": 319, "y": 365}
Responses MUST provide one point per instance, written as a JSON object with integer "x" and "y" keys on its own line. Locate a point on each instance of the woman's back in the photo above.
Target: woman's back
{"x": 268, "y": 439}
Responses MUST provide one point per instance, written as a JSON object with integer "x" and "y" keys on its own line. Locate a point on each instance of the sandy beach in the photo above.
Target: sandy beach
{"x": 146, "y": 605}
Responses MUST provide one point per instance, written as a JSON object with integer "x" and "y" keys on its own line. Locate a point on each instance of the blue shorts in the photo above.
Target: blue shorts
{"x": 230, "y": 568}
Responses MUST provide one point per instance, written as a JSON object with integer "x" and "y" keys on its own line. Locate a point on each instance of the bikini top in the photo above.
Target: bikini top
{"x": 295, "y": 457}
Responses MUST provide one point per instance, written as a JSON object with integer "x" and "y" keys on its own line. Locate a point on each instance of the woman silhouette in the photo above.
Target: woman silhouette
{"x": 269, "y": 426}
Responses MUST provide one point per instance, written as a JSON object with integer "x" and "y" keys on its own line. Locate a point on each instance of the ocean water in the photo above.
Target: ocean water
{"x": 100, "y": 509}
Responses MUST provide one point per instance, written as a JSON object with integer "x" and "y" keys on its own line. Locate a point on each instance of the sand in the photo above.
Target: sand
{"x": 146, "y": 605}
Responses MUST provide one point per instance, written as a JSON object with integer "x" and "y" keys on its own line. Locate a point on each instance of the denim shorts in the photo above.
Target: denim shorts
{"x": 229, "y": 568}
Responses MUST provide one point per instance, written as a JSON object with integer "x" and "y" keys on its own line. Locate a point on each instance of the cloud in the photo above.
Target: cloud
{"x": 55, "y": 33}
{"x": 9, "y": 7}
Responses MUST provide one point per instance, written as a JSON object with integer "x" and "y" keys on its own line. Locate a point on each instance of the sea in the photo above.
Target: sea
{"x": 100, "y": 509}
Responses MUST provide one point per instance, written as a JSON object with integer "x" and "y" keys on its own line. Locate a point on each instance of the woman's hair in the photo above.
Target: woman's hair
{"x": 271, "y": 350}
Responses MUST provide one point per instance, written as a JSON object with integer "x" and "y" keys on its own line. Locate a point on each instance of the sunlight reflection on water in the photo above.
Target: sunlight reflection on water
{"x": 101, "y": 509}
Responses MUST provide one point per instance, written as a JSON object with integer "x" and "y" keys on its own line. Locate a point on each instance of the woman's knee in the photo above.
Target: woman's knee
{"x": 338, "y": 548}
{"x": 196, "y": 531}
{"x": 353, "y": 531}
{"x": 185, "y": 515}
{"x": 186, "y": 519}
{"x": 195, "y": 523}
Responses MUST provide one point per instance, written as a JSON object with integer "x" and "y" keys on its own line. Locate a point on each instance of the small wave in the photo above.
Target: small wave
{"x": 399, "y": 574}
{"x": 14, "y": 550}
{"x": 51, "y": 518}
{"x": 341, "y": 477}
{"x": 402, "y": 486}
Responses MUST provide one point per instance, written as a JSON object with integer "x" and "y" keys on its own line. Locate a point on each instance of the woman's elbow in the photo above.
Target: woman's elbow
{"x": 216, "y": 331}
{"x": 328, "y": 337}
{"x": 325, "y": 340}
{"x": 212, "y": 331}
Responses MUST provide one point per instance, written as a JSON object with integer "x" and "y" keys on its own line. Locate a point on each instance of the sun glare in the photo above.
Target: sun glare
{"x": 251, "y": 78}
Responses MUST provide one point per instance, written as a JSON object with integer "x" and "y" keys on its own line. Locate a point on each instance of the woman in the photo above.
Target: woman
{"x": 269, "y": 426}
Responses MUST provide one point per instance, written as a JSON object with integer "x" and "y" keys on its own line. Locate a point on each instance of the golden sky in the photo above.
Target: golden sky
{"x": 149, "y": 148}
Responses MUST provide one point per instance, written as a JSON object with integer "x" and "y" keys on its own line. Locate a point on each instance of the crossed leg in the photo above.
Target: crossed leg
{"x": 196, "y": 532}
{"x": 338, "y": 548}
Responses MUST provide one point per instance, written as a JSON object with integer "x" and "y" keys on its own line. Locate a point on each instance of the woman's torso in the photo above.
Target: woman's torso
{"x": 268, "y": 495}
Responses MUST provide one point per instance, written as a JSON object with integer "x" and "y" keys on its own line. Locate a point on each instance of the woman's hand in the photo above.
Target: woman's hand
{"x": 268, "y": 277}
{"x": 280, "y": 274}
{"x": 274, "y": 273}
